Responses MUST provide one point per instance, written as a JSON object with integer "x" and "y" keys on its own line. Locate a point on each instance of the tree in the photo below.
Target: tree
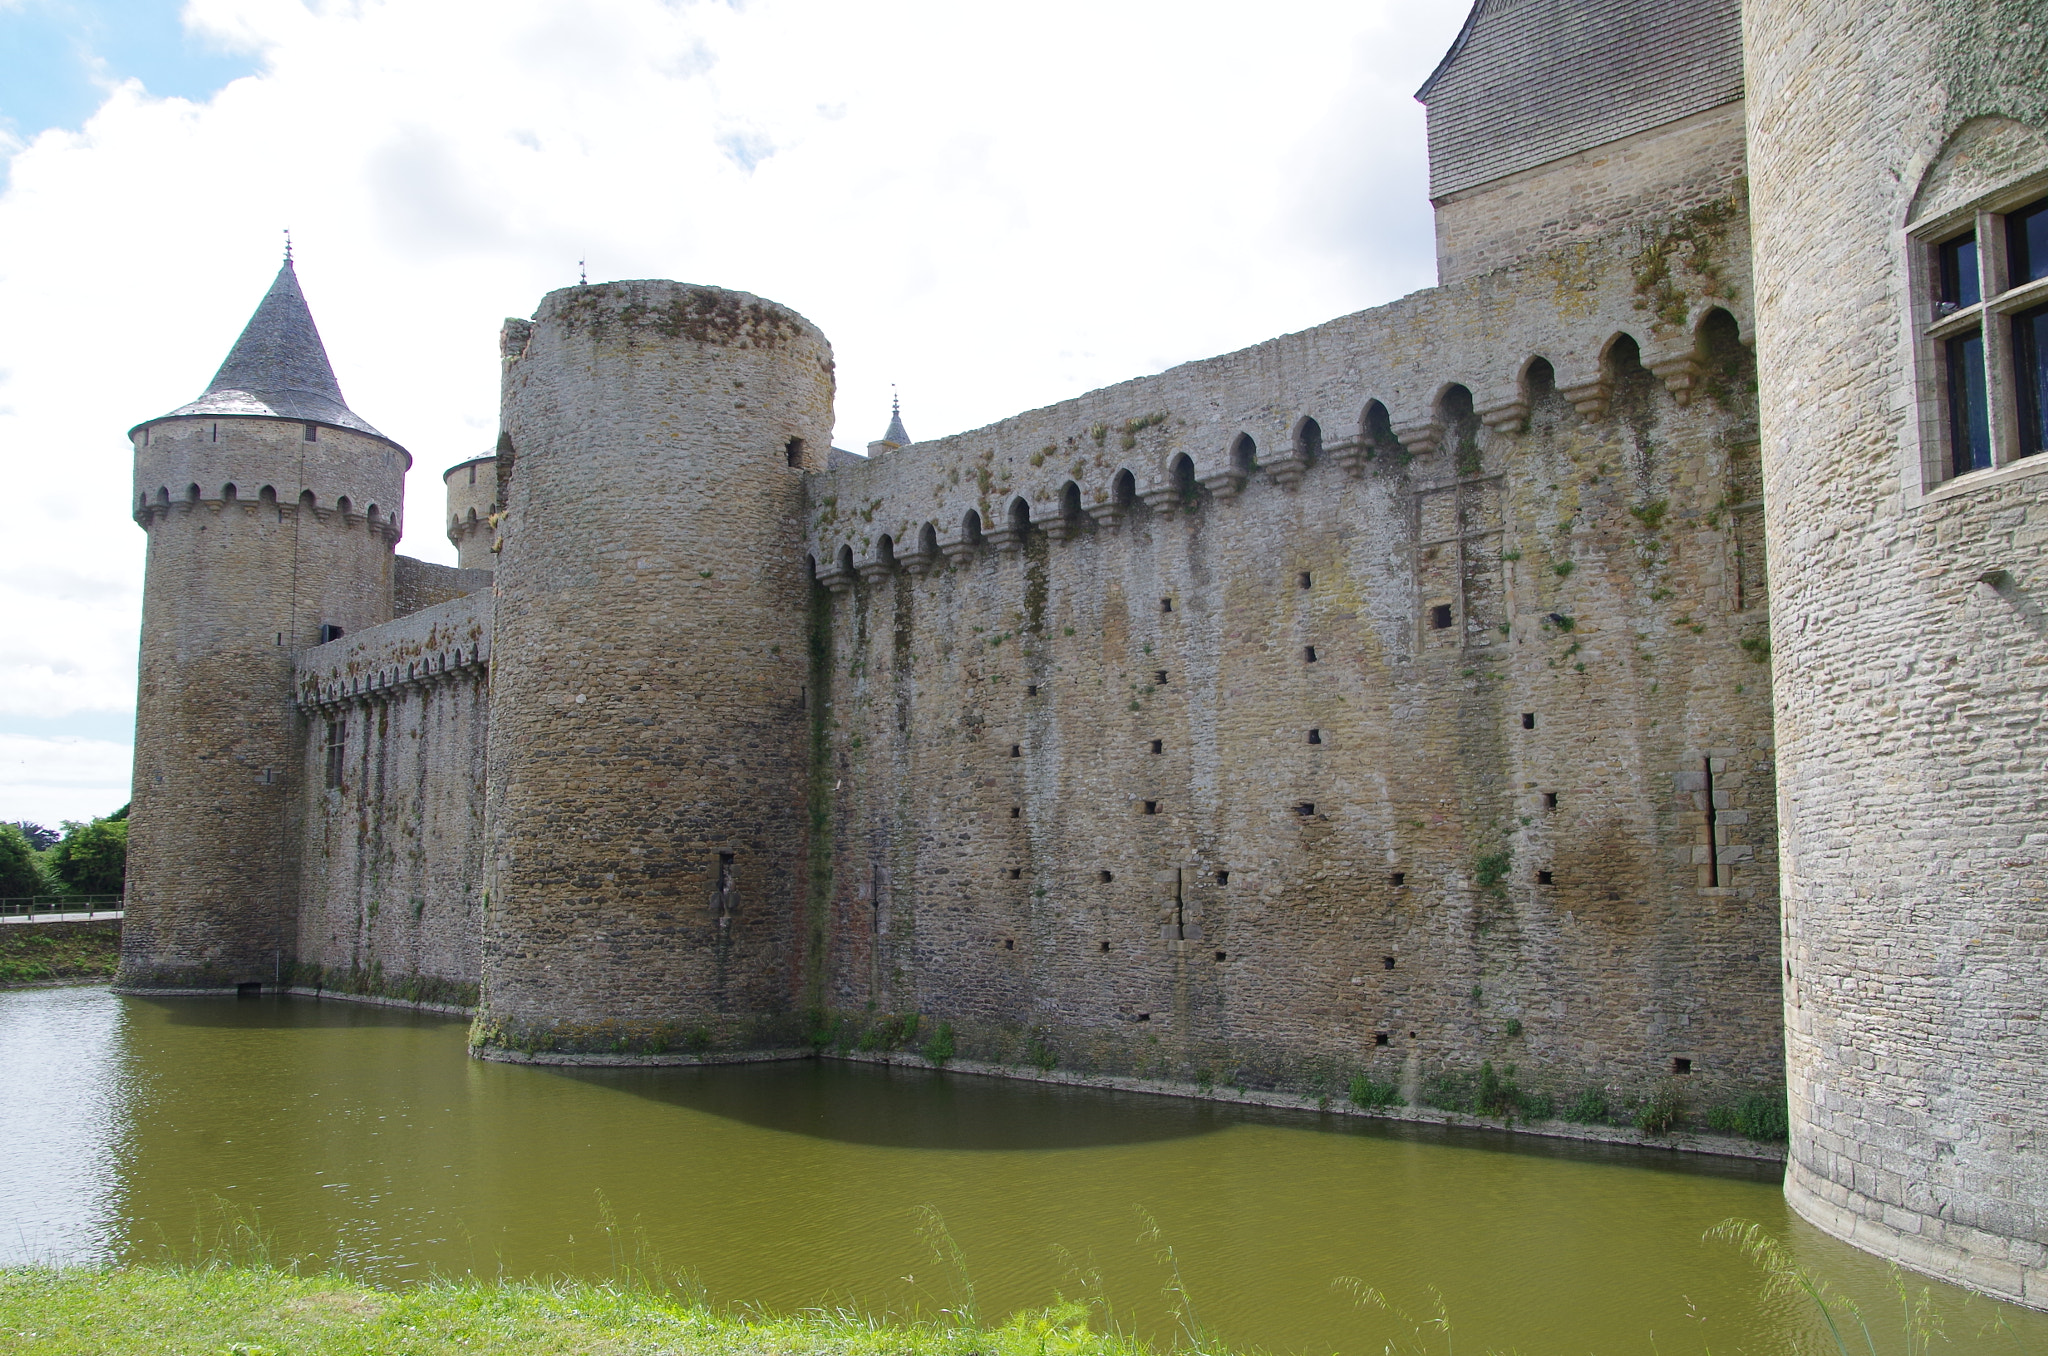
{"x": 39, "y": 838}
{"x": 92, "y": 858}
{"x": 18, "y": 875}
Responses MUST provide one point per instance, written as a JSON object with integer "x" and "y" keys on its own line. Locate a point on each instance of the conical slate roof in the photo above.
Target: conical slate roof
{"x": 896, "y": 434}
{"x": 278, "y": 369}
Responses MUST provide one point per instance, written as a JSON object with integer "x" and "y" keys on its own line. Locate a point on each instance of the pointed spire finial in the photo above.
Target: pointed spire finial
{"x": 895, "y": 434}
{"x": 287, "y": 244}
{"x": 582, "y": 274}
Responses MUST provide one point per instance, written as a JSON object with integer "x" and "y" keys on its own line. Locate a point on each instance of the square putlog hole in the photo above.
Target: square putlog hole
{"x": 1440, "y": 617}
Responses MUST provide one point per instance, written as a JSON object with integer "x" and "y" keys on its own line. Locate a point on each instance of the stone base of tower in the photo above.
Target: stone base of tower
{"x": 2010, "y": 1269}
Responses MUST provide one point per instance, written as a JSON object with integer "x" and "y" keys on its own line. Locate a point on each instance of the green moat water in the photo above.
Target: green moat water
{"x": 365, "y": 1137}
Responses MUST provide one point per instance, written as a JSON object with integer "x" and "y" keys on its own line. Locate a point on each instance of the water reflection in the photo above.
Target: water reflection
{"x": 365, "y": 1136}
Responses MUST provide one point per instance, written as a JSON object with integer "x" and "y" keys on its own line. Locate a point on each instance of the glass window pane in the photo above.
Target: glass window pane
{"x": 2026, "y": 243}
{"x": 1968, "y": 412}
{"x": 2030, "y": 370}
{"x": 1959, "y": 272}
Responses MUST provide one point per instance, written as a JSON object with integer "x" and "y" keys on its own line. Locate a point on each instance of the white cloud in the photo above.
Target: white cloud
{"x": 993, "y": 207}
{"x": 49, "y": 780}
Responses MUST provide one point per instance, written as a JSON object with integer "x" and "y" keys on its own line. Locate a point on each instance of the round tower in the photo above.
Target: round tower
{"x": 1898, "y": 156}
{"x": 646, "y": 815}
{"x": 472, "y": 499}
{"x": 272, "y": 510}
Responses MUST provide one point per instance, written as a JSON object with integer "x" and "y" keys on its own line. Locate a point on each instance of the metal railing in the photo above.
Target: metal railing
{"x": 30, "y": 907}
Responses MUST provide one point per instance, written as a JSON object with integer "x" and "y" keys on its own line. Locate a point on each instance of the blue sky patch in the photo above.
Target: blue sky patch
{"x": 58, "y": 57}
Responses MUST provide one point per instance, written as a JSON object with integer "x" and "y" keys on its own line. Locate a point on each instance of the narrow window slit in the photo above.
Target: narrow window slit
{"x": 1713, "y": 827}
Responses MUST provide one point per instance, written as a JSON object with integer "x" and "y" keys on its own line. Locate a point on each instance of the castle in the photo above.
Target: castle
{"x": 1398, "y": 699}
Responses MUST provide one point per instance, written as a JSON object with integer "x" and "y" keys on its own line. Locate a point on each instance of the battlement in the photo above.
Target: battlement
{"x": 473, "y": 500}
{"x": 448, "y": 641}
{"x": 329, "y": 473}
{"x": 1397, "y": 382}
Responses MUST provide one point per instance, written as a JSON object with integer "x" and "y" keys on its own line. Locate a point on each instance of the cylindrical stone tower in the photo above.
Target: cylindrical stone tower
{"x": 1898, "y": 155}
{"x": 272, "y": 511}
{"x": 646, "y": 801}
{"x": 472, "y": 499}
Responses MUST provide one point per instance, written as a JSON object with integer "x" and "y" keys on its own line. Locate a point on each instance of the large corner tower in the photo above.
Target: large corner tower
{"x": 646, "y": 796}
{"x": 1899, "y": 167}
{"x": 272, "y": 511}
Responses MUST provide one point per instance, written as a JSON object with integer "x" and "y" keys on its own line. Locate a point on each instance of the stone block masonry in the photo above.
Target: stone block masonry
{"x": 1296, "y": 714}
{"x": 391, "y": 879}
{"x": 1912, "y": 655}
{"x": 647, "y": 829}
{"x": 1379, "y": 706}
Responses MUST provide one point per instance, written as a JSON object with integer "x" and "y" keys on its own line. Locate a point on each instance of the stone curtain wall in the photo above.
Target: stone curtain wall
{"x": 1910, "y": 693}
{"x": 256, "y": 538}
{"x": 1013, "y": 853}
{"x": 391, "y": 887}
{"x": 647, "y": 829}
{"x": 417, "y": 584}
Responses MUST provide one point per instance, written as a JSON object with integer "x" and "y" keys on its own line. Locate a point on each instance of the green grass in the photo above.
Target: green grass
{"x": 33, "y": 954}
{"x": 220, "y": 1310}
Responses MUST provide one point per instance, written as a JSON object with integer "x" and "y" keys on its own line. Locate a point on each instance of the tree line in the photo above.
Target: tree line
{"x": 85, "y": 857}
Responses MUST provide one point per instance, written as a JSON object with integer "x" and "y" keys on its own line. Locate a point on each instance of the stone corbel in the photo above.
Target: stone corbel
{"x": 1006, "y": 538}
{"x": 1591, "y": 399}
{"x": 1507, "y": 415}
{"x": 836, "y": 579}
{"x": 958, "y": 550}
{"x": 1107, "y": 513}
{"x": 1062, "y": 528}
{"x": 1224, "y": 484}
{"x": 874, "y": 571}
{"x": 1421, "y": 437}
{"x": 1287, "y": 471}
{"x": 1680, "y": 372}
{"x": 917, "y": 562}
{"x": 1162, "y": 499}
{"x": 1349, "y": 453}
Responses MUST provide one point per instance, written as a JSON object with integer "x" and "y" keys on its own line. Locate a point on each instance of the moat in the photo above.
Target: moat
{"x": 365, "y": 1137}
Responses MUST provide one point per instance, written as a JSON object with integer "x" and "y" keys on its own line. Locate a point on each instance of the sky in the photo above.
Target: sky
{"x": 985, "y": 207}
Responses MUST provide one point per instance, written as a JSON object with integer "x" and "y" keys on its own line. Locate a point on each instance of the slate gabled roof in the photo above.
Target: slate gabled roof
{"x": 1530, "y": 81}
{"x": 278, "y": 369}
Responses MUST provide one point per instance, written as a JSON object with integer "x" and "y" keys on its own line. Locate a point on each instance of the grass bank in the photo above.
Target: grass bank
{"x": 218, "y": 1310}
{"x": 43, "y": 953}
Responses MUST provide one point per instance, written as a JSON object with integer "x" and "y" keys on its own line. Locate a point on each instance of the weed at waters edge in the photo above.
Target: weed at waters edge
{"x": 1369, "y": 1094}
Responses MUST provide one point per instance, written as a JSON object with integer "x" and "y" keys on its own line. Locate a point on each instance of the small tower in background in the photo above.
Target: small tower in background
{"x": 895, "y": 437}
{"x": 272, "y": 511}
{"x": 472, "y": 500}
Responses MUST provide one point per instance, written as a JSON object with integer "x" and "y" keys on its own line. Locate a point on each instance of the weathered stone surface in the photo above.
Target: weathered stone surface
{"x": 1096, "y": 805}
{"x": 257, "y": 538}
{"x": 646, "y": 815}
{"x": 1913, "y": 753}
